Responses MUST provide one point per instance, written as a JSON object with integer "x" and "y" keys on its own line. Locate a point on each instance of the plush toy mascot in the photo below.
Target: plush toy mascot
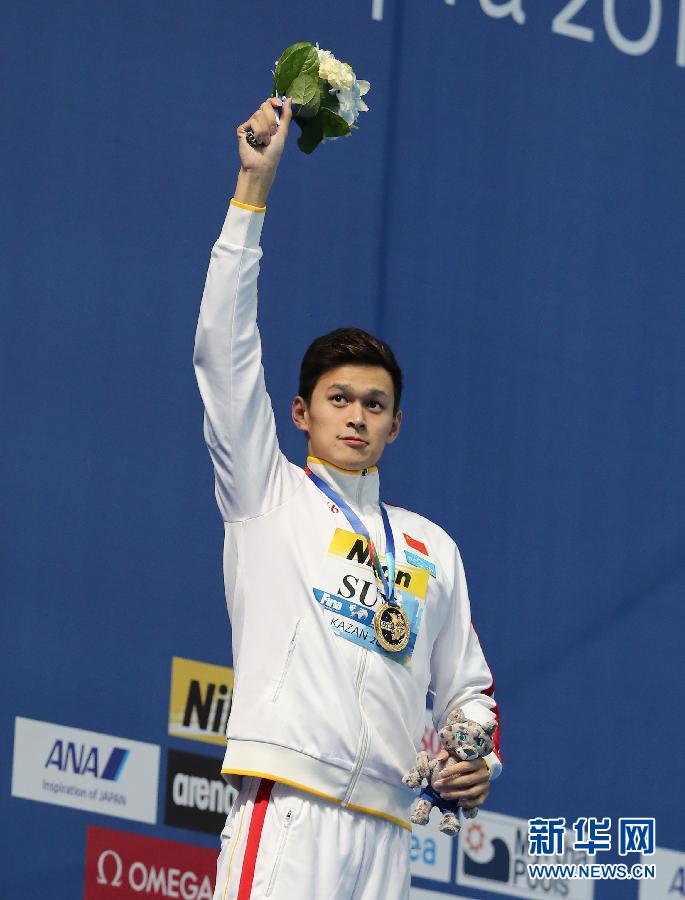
{"x": 463, "y": 739}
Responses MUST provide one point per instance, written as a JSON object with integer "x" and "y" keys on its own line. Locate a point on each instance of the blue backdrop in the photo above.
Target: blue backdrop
{"x": 509, "y": 216}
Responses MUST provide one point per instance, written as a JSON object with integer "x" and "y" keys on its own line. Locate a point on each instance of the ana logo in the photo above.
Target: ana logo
{"x": 79, "y": 759}
{"x": 85, "y": 770}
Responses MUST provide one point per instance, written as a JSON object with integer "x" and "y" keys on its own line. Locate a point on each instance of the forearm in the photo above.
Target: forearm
{"x": 252, "y": 188}
{"x": 460, "y": 673}
{"x": 239, "y": 423}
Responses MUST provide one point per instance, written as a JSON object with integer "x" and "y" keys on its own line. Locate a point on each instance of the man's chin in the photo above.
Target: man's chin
{"x": 352, "y": 458}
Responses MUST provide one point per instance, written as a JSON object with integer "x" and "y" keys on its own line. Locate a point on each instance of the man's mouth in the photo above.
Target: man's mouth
{"x": 353, "y": 441}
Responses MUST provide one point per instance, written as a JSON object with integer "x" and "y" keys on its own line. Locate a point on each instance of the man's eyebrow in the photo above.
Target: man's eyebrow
{"x": 348, "y": 387}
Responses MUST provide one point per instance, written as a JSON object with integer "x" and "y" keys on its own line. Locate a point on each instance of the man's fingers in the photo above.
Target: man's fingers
{"x": 447, "y": 774}
{"x": 267, "y": 113}
{"x": 454, "y": 776}
{"x": 474, "y": 796}
{"x": 260, "y": 124}
{"x": 286, "y": 115}
{"x": 465, "y": 766}
{"x": 264, "y": 124}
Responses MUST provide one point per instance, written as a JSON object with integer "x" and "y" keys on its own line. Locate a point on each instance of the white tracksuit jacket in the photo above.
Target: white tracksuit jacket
{"x": 311, "y": 708}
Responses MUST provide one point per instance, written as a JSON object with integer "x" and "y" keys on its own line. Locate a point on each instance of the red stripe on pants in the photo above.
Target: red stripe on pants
{"x": 254, "y": 836}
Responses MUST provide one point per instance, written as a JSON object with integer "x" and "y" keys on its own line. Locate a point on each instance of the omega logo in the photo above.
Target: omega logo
{"x": 160, "y": 881}
{"x": 118, "y": 868}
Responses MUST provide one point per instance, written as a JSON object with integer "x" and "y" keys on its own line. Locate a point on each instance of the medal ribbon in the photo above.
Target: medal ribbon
{"x": 360, "y": 528}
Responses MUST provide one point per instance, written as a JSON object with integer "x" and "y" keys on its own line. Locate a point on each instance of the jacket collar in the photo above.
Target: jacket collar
{"x": 359, "y": 487}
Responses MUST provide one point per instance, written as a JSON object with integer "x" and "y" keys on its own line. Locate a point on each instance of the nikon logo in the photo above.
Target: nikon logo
{"x": 200, "y": 700}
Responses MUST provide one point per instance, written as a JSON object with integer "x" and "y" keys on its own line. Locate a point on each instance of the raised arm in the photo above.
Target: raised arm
{"x": 251, "y": 474}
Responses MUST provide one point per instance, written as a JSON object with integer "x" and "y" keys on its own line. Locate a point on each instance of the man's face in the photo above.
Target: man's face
{"x": 350, "y": 417}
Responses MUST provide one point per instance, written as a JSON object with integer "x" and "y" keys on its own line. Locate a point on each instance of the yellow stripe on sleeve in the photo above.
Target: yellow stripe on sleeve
{"x": 247, "y": 206}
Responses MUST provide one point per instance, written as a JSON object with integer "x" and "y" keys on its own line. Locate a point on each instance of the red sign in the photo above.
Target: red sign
{"x": 120, "y": 865}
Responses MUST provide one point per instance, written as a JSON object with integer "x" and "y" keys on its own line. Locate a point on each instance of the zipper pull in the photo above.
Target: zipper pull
{"x": 365, "y": 472}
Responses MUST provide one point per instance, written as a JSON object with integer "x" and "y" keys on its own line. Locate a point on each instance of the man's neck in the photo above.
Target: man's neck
{"x": 358, "y": 487}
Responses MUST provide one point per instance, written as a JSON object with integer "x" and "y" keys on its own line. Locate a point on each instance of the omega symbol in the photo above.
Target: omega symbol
{"x": 118, "y": 868}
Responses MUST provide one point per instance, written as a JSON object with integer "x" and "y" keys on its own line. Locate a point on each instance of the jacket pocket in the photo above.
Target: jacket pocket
{"x": 280, "y": 850}
{"x": 288, "y": 660}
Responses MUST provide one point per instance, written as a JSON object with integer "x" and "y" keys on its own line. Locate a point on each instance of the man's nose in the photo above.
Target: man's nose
{"x": 357, "y": 415}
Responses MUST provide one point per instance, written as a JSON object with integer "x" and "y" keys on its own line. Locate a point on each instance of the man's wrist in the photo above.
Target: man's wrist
{"x": 253, "y": 188}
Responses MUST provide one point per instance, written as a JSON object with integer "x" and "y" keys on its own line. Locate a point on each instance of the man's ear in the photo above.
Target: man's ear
{"x": 300, "y": 414}
{"x": 395, "y": 428}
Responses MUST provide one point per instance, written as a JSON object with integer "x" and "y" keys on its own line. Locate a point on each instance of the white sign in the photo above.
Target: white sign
{"x": 670, "y": 875}
{"x": 431, "y": 850}
{"x": 422, "y": 894}
{"x": 85, "y": 770}
{"x": 493, "y": 856}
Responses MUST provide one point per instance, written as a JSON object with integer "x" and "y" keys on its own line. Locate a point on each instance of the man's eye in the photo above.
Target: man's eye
{"x": 374, "y": 404}
{"x": 338, "y": 398}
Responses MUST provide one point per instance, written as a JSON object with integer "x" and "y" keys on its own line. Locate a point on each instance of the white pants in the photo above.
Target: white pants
{"x": 283, "y": 844}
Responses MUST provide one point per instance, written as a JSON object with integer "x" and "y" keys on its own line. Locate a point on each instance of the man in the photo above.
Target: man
{"x": 343, "y": 612}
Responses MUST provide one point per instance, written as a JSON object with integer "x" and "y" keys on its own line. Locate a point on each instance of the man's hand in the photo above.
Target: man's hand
{"x": 467, "y": 781}
{"x": 258, "y": 165}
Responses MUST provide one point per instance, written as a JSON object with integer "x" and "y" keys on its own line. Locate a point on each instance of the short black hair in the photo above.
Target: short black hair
{"x": 347, "y": 346}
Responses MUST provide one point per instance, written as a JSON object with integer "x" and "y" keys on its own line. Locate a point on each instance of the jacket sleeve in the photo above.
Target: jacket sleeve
{"x": 460, "y": 676}
{"x": 251, "y": 474}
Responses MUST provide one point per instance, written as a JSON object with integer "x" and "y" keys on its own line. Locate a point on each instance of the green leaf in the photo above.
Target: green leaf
{"x": 298, "y": 59}
{"x": 312, "y": 134}
{"x": 332, "y": 124}
{"x": 311, "y": 63}
{"x": 305, "y": 93}
{"x": 328, "y": 100}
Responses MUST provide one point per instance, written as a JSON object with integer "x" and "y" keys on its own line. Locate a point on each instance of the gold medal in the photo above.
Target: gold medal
{"x": 391, "y": 625}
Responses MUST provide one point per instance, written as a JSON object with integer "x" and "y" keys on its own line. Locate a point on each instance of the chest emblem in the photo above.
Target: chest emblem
{"x": 419, "y": 546}
{"x": 350, "y": 597}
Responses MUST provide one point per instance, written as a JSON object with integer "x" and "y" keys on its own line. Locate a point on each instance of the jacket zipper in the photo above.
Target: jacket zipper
{"x": 360, "y": 678}
{"x": 364, "y": 740}
{"x": 279, "y": 852}
{"x": 288, "y": 658}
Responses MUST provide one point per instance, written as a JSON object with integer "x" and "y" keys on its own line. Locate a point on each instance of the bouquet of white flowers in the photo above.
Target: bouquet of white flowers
{"x": 326, "y": 96}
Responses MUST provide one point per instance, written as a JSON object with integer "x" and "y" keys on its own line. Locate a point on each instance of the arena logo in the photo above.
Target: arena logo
{"x": 493, "y": 855}
{"x": 197, "y": 797}
{"x": 200, "y": 700}
{"x": 122, "y": 865}
{"x": 85, "y": 769}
